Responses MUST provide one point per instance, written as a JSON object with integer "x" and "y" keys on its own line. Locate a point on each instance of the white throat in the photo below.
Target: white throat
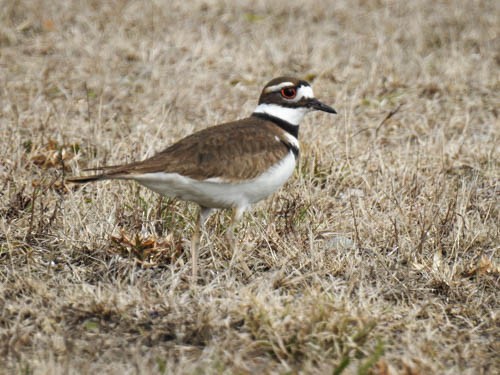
{"x": 293, "y": 116}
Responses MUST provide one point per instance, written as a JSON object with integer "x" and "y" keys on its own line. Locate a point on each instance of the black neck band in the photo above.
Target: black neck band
{"x": 286, "y": 126}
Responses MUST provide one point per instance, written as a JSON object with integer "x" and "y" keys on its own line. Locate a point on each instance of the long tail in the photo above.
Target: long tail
{"x": 110, "y": 172}
{"x": 84, "y": 179}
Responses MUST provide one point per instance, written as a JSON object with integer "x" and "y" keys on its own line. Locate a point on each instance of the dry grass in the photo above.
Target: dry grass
{"x": 379, "y": 256}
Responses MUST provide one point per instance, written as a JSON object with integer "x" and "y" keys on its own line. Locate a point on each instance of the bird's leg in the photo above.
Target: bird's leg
{"x": 195, "y": 240}
{"x": 235, "y": 218}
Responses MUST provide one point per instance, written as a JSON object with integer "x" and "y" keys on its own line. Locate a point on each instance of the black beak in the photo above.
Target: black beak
{"x": 317, "y": 105}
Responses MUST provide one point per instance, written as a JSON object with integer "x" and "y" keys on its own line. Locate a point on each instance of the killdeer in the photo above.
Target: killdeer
{"x": 231, "y": 165}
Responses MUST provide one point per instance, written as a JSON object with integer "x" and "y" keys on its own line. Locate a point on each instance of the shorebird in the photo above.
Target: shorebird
{"x": 231, "y": 165}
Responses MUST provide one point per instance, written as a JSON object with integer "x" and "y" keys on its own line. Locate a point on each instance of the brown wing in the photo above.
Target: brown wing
{"x": 237, "y": 150}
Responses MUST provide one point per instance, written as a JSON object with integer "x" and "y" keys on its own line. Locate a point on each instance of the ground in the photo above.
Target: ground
{"x": 379, "y": 256}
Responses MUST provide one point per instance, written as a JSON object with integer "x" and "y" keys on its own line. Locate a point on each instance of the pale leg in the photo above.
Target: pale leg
{"x": 235, "y": 218}
{"x": 195, "y": 240}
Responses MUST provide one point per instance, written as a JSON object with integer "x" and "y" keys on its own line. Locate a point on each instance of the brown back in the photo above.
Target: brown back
{"x": 233, "y": 151}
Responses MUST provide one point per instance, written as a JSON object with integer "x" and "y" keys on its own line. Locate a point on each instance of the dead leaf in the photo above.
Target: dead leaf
{"x": 148, "y": 251}
{"x": 484, "y": 266}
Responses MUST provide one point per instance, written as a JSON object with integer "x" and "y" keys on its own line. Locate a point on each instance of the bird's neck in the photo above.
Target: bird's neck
{"x": 286, "y": 118}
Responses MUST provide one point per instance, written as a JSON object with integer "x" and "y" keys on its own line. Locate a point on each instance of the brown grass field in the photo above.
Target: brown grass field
{"x": 379, "y": 256}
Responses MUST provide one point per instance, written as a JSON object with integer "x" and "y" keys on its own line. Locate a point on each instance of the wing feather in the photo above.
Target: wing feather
{"x": 231, "y": 151}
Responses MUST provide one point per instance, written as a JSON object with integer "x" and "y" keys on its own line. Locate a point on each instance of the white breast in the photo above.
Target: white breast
{"x": 215, "y": 192}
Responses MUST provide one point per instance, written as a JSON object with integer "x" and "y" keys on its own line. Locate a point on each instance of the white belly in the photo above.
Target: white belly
{"x": 214, "y": 192}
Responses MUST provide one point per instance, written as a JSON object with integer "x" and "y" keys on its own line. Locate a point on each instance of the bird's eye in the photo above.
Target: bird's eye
{"x": 289, "y": 92}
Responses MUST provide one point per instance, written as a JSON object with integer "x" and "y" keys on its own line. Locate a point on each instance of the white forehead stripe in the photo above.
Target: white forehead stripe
{"x": 305, "y": 92}
{"x": 277, "y": 87}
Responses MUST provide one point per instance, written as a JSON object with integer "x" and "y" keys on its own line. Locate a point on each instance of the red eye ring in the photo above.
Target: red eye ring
{"x": 289, "y": 92}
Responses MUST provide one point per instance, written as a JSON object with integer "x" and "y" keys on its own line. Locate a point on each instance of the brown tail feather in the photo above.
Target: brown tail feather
{"x": 84, "y": 179}
{"x": 104, "y": 167}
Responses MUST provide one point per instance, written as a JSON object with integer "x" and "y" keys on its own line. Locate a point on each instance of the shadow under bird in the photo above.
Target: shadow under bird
{"x": 231, "y": 165}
